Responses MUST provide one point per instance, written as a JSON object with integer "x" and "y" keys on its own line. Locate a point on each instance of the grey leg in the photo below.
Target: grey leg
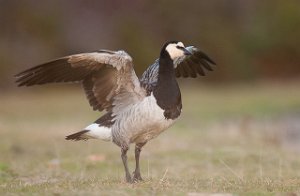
{"x": 137, "y": 174}
{"x": 124, "y": 159}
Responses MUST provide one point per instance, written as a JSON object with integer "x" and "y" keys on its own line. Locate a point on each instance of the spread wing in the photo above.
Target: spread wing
{"x": 193, "y": 65}
{"x": 108, "y": 77}
{"x": 186, "y": 66}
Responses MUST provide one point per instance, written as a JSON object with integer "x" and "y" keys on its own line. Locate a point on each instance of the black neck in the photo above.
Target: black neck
{"x": 167, "y": 92}
{"x": 166, "y": 70}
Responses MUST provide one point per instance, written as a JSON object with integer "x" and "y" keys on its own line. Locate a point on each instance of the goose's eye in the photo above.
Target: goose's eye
{"x": 179, "y": 47}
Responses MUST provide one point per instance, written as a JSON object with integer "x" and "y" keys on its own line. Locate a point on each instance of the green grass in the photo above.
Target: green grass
{"x": 234, "y": 139}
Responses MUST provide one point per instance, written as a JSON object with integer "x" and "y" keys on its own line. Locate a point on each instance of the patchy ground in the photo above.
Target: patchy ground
{"x": 235, "y": 140}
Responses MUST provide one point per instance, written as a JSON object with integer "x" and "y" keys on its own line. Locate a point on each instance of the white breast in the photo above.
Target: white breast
{"x": 143, "y": 121}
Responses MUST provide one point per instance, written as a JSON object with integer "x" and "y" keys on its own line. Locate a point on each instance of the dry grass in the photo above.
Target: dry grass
{"x": 240, "y": 140}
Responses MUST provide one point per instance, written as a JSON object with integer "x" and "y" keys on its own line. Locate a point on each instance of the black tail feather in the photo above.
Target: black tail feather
{"x": 77, "y": 136}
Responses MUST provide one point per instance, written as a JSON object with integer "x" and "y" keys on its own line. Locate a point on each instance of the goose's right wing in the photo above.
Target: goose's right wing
{"x": 193, "y": 65}
{"x": 150, "y": 77}
{"x": 186, "y": 66}
{"x": 108, "y": 77}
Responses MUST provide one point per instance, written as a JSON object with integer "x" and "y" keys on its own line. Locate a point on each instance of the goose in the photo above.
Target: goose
{"x": 137, "y": 109}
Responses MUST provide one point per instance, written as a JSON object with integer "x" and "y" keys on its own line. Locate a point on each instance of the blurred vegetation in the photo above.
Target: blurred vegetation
{"x": 249, "y": 40}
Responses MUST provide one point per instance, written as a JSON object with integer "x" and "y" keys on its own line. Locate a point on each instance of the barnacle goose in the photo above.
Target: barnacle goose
{"x": 137, "y": 110}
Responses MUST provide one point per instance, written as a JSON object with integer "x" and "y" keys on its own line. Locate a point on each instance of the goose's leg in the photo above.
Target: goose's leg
{"x": 137, "y": 174}
{"x": 124, "y": 159}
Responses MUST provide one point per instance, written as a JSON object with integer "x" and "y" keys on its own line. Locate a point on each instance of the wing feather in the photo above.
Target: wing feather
{"x": 186, "y": 66}
{"x": 197, "y": 61}
{"x": 192, "y": 68}
{"x": 106, "y": 77}
{"x": 198, "y": 69}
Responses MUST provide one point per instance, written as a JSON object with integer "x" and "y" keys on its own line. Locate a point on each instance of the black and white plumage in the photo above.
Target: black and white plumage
{"x": 138, "y": 110}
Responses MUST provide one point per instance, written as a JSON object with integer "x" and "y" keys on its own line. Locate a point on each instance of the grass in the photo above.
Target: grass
{"x": 234, "y": 139}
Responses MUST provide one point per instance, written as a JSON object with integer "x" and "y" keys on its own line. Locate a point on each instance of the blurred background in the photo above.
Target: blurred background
{"x": 240, "y": 127}
{"x": 250, "y": 40}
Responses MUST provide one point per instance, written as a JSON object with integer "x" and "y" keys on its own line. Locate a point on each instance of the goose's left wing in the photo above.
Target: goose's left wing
{"x": 108, "y": 78}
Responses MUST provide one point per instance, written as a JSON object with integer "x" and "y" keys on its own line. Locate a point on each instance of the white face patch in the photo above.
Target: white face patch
{"x": 173, "y": 51}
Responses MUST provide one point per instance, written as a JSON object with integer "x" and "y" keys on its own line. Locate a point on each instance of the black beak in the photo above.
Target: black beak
{"x": 186, "y": 52}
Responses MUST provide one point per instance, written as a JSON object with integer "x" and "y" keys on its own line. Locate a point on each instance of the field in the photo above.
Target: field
{"x": 240, "y": 139}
